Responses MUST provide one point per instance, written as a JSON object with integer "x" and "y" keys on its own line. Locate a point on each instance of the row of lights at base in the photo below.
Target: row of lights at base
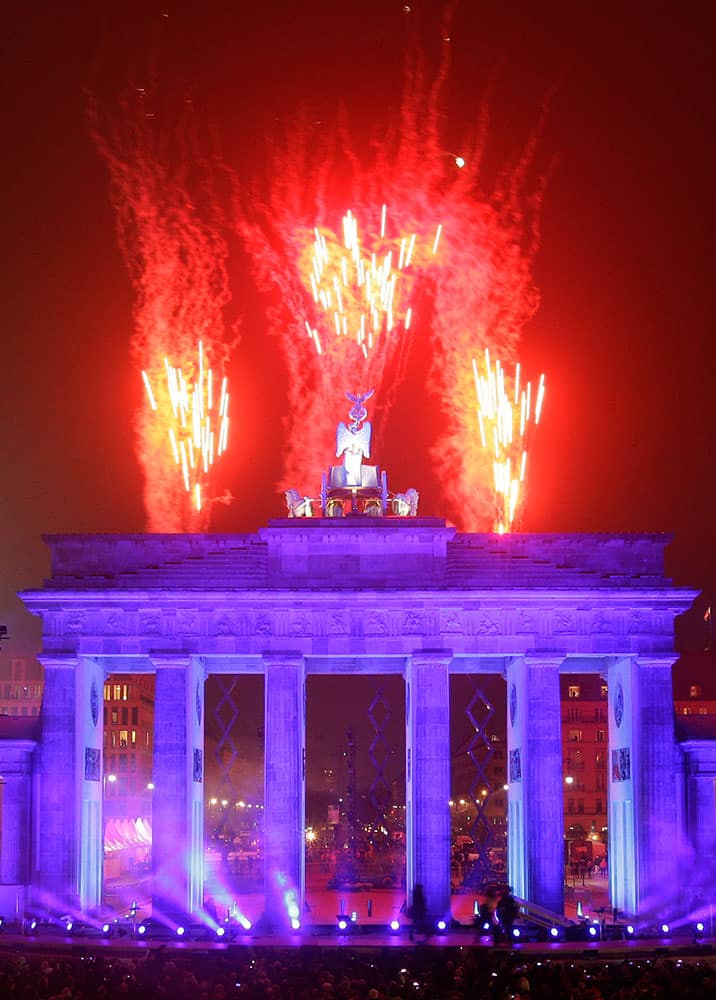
{"x": 592, "y": 930}
{"x": 227, "y": 930}
{"x": 223, "y": 931}
{"x": 344, "y": 922}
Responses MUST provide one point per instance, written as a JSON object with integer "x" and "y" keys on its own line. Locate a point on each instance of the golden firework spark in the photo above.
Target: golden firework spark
{"x": 192, "y": 421}
{"x": 504, "y": 415}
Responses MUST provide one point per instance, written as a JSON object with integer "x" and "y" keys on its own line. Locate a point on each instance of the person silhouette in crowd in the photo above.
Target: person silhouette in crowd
{"x": 507, "y": 911}
{"x": 419, "y": 912}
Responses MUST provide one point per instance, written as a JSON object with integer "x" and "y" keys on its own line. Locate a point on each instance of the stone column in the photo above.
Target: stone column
{"x": 658, "y": 830}
{"x": 178, "y": 811}
{"x": 427, "y": 705}
{"x": 643, "y": 803}
{"x": 535, "y": 810}
{"x": 700, "y": 796}
{"x": 16, "y": 767}
{"x": 69, "y": 825}
{"x": 284, "y": 788}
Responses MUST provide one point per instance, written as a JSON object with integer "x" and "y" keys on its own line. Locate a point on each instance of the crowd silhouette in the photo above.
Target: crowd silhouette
{"x": 314, "y": 973}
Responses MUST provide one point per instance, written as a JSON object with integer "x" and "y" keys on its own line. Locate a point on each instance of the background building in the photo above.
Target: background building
{"x": 20, "y": 686}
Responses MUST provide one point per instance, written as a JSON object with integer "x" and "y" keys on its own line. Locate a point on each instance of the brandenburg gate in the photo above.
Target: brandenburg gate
{"x": 350, "y": 595}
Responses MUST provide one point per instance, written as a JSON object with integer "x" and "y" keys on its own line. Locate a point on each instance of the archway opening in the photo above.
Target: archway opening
{"x": 355, "y": 799}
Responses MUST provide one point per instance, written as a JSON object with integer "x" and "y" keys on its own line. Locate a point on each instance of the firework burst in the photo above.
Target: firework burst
{"x": 169, "y": 227}
{"x": 363, "y": 293}
{"x": 505, "y": 413}
{"x": 467, "y": 286}
{"x": 193, "y": 419}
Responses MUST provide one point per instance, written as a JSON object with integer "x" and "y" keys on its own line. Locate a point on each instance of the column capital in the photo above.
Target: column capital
{"x": 169, "y": 661}
{"x": 543, "y": 659}
{"x": 426, "y": 657}
{"x": 657, "y": 660}
{"x": 283, "y": 659}
{"x": 58, "y": 661}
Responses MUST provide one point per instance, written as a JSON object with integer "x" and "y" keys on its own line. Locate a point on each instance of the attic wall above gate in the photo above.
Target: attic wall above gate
{"x": 339, "y": 592}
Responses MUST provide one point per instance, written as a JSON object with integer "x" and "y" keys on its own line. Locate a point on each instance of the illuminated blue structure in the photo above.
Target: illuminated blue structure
{"x": 407, "y": 596}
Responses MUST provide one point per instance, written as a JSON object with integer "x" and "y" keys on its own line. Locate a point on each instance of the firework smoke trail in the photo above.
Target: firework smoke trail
{"x": 476, "y": 290}
{"x": 170, "y": 236}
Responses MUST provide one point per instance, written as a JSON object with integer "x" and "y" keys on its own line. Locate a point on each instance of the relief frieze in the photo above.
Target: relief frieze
{"x": 375, "y": 623}
{"x": 224, "y": 624}
{"x": 263, "y": 625}
{"x": 301, "y": 624}
{"x": 150, "y": 623}
{"x": 526, "y": 622}
{"x": 413, "y": 623}
{"x": 187, "y": 623}
{"x": 451, "y": 623}
{"x": 565, "y": 623}
{"x": 590, "y": 625}
{"x": 602, "y": 624}
{"x": 75, "y": 622}
{"x": 114, "y": 624}
{"x": 489, "y": 625}
{"x": 337, "y": 623}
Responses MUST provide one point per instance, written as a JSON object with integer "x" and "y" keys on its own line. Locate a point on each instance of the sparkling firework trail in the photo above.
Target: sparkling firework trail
{"x": 195, "y": 425}
{"x": 504, "y": 418}
{"x": 359, "y": 291}
{"x": 169, "y": 228}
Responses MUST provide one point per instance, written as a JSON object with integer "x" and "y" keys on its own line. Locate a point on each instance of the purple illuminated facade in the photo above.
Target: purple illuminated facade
{"x": 406, "y": 596}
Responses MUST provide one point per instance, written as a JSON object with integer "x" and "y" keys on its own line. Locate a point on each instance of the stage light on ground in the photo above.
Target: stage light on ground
{"x": 441, "y": 926}
{"x": 33, "y": 924}
{"x": 394, "y": 926}
{"x": 220, "y": 932}
{"x": 68, "y": 926}
{"x": 593, "y": 931}
{"x": 181, "y": 931}
{"x": 554, "y": 932}
{"x": 295, "y": 924}
{"x": 142, "y": 930}
{"x": 665, "y": 928}
{"x": 516, "y": 932}
{"x": 629, "y": 930}
{"x": 342, "y": 924}
{"x": 106, "y": 928}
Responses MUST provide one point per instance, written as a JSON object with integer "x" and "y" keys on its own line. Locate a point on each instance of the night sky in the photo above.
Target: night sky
{"x": 625, "y": 269}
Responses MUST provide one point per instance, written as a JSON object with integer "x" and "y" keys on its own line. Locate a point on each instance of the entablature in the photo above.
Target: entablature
{"x": 363, "y": 623}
